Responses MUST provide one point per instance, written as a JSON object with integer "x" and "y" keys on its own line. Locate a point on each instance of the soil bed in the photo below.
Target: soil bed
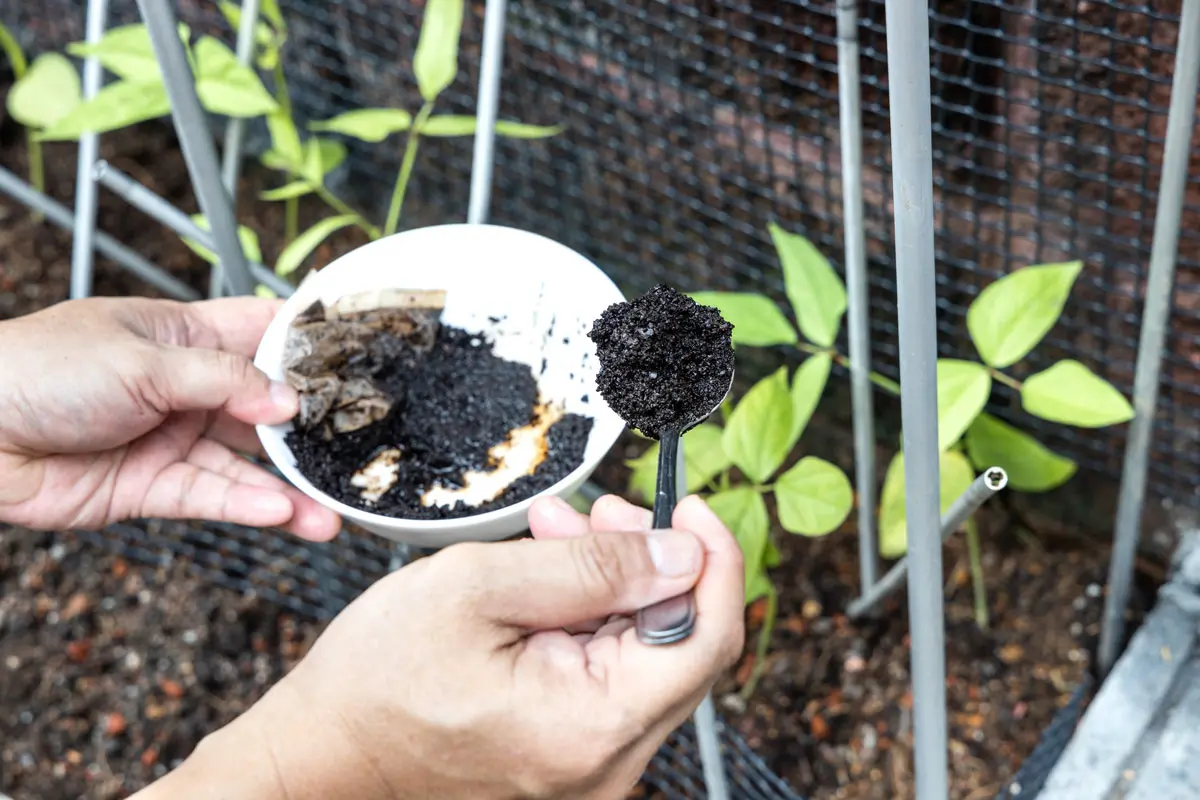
{"x": 109, "y": 674}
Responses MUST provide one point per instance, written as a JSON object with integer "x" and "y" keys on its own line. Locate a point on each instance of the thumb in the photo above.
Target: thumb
{"x": 200, "y": 379}
{"x": 554, "y": 583}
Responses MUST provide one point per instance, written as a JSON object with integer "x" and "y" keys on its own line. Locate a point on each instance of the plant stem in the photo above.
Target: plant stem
{"x": 977, "y": 578}
{"x": 37, "y": 171}
{"x": 885, "y": 383}
{"x": 764, "y": 642}
{"x": 339, "y": 205}
{"x": 291, "y": 222}
{"x": 406, "y": 168}
{"x": 282, "y": 96}
{"x": 1008, "y": 381}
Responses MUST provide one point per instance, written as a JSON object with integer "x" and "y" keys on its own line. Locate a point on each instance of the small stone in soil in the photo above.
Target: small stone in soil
{"x": 451, "y": 405}
{"x": 664, "y": 359}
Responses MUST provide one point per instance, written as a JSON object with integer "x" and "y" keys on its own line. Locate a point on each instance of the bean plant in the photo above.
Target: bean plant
{"x": 1005, "y": 322}
{"x": 51, "y": 106}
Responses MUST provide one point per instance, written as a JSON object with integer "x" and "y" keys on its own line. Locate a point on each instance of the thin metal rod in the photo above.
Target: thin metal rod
{"x": 859, "y": 317}
{"x": 490, "y": 66}
{"x": 1181, "y": 119}
{"x": 231, "y": 153}
{"x": 979, "y": 492}
{"x": 109, "y": 247}
{"x": 84, "y": 229}
{"x": 912, "y": 188}
{"x": 195, "y": 140}
{"x": 146, "y": 201}
{"x": 708, "y": 741}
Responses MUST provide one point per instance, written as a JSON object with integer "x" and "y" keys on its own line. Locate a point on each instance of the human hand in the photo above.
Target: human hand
{"x": 458, "y": 676}
{"x": 115, "y": 408}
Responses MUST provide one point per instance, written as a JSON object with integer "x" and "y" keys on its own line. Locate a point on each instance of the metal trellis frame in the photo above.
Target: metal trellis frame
{"x": 1181, "y": 121}
{"x": 911, "y": 109}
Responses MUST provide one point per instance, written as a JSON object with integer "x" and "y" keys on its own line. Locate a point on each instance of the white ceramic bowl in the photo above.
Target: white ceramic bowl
{"x": 544, "y": 295}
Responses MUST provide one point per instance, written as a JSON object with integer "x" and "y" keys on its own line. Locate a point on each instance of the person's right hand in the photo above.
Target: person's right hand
{"x": 475, "y": 673}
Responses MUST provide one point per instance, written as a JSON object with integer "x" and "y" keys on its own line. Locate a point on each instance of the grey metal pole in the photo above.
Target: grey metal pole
{"x": 84, "y": 229}
{"x": 981, "y": 489}
{"x": 109, "y": 247}
{"x": 231, "y": 153}
{"x": 859, "y": 321}
{"x": 195, "y": 140}
{"x": 490, "y": 65}
{"x": 708, "y": 742}
{"x": 1181, "y": 119}
{"x": 146, "y": 201}
{"x": 912, "y": 189}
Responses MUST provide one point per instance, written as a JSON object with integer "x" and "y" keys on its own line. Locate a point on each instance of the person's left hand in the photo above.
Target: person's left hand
{"x": 117, "y": 408}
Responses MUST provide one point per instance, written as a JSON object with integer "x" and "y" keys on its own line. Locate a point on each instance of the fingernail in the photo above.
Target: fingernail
{"x": 674, "y": 553}
{"x": 556, "y": 503}
{"x": 285, "y": 397}
{"x": 271, "y": 503}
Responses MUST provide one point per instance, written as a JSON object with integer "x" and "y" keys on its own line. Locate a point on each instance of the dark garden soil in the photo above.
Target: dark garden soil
{"x": 665, "y": 361}
{"x": 110, "y": 673}
{"x": 451, "y": 404}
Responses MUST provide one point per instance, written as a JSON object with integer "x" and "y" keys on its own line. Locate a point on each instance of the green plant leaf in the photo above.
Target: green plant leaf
{"x": 457, "y": 125}
{"x": 436, "y": 61}
{"x": 225, "y": 86}
{"x": 47, "y": 92}
{"x": 286, "y": 153}
{"x": 815, "y": 291}
{"x": 294, "y": 254}
{"x": 704, "y": 459}
{"x": 744, "y": 512}
{"x": 321, "y": 156}
{"x": 758, "y": 586}
{"x": 756, "y": 436}
{"x": 270, "y": 10}
{"x": 771, "y": 556}
{"x": 1031, "y": 466}
{"x": 963, "y": 388}
{"x": 807, "y": 386}
{"x": 1013, "y": 314}
{"x": 757, "y": 322}
{"x": 263, "y": 36}
{"x": 955, "y": 475}
{"x": 813, "y": 497}
{"x": 287, "y": 191}
{"x": 1070, "y": 393}
{"x": 367, "y": 124}
{"x": 247, "y": 237}
{"x": 264, "y": 291}
{"x": 117, "y": 105}
{"x": 125, "y": 51}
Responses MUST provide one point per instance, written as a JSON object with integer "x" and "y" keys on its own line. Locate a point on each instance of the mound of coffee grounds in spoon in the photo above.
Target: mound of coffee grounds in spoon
{"x": 664, "y": 359}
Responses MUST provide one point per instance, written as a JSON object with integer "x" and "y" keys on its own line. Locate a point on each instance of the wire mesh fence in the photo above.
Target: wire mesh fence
{"x": 690, "y": 126}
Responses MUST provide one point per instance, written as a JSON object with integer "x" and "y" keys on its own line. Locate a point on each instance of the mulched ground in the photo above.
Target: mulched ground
{"x": 111, "y": 672}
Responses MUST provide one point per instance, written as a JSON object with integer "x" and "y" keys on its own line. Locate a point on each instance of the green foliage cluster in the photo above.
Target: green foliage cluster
{"x": 813, "y": 497}
{"x": 47, "y": 99}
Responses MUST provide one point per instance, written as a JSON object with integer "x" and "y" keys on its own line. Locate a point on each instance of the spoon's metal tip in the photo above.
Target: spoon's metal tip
{"x": 693, "y": 423}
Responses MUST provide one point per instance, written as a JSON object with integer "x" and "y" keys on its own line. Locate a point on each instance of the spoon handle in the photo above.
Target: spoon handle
{"x": 671, "y": 620}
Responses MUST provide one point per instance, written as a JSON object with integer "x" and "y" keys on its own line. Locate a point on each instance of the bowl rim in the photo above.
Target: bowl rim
{"x": 272, "y": 436}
